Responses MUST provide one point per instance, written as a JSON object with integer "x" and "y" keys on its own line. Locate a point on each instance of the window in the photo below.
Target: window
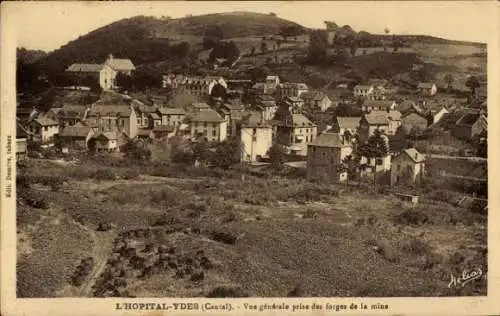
{"x": 204, "y": 124}
{"x": 205, "y": 133}
{"x": 138, "y": 121}
{"x": 45, "y": 128}
{"x": 214, "y": 125}
{"x": 214, "y": 133}
{"x": 378, "y": 161}
{"x": 145, "y": 121}
{"x": 254, "y": 131}
{"x": 399, "y": 167}
{"x": 123, "y": 122}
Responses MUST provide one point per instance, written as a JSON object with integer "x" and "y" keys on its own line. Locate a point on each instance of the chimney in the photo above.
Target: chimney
{"x": 110, "y": 57}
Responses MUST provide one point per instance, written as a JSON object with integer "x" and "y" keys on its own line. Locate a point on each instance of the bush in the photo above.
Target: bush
{"x": 227, "y": 291}
{"x": 227, "y": 238}
{"x": 411, "y": 217}
{"x": 104, "y": 174}
{"x": 416, "y": 247}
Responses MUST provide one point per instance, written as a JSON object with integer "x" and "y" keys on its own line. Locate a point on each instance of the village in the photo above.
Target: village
{"x": 189, "y": 171}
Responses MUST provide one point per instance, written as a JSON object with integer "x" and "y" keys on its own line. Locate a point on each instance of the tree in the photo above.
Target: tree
{"x": 124, "y": 81}
{"x": 350, "y": 164}
{"x": 375, "y": 147}
{"x": 330, "y": 26}
{"x": 227, "y": 153}
{"x": 354, "y": 48}
{"x": 136, "y": 152}
{"x": 290, "y": 31}
{"x": 449, "y": 80}
{"x": 472, "y": 83}
{"x": 263, "y": 47}
{"x": 318, "y": 46}
{"x": 213, "y": 35}
{"x": 340, "y": 55}
{"x": 218, "y": 91}
{"x": 277, "y": 156}
{"x": 201, "y": 152}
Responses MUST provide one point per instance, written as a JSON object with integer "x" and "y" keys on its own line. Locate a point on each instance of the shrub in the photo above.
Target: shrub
{"x": 104, "y": 174}
{"x": 227, "y": 291}
{"x": 411, "y": 217}
{"x": 298, "y": 291}
{"x": 385, "y": 249}
{"x": 227, "y": 238}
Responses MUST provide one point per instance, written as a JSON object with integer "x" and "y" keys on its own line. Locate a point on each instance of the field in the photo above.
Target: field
{"x": 173, "y": 231}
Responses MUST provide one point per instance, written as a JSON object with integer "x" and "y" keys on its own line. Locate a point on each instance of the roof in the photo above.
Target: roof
{"x": 468, "y": 119}
{"x": 172, "y": 111}
{"x": 75, "y": 131}
{"x": 414, "y": 155}
{"x": 425, "y": 85}
{"x": 108, "y": 135}
{"x": 164, "y": 128}
{"x": 111, "y": 110}
{"x": 85, "y": 68}
{"x": 155, "y": 116}
{"x": 234, "y": 106}
{"x": 377, "y": 117}
{"x": 294, "y": 99}
{"x": 201, "y": 105}
{"x": 254, "y": 119}
{"x": 313, "y": 95}
{"x": 363, "y": 86}
{"x": 328, "y": 139}
{"x": 207, "y": 116}
{"x": 301, "y": 120}
{"x": 120, "y": 64}
{"x": 381, "y": 104}
{"x": 348, "y": 122}
{"x": 45, "y": 121}
{"x": 302, "y": 86}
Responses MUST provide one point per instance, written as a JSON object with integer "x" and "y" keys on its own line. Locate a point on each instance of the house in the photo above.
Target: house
{"x": 427, "y": 88}
{"x": 316, "y": 99}
{"x": 106, "y": 142}
{"x": 75, "y": 137}
{"x": 68, "y": 114}
{"x": 382, "y": 105}
{"x": 85, "y": 74}
{"x": 341, "y": 124}
{"x": 172, "y": 116}
{"x": 362, "y": 91}
{"x": 108, "y": 118}
{"x": 143, "y": 114}
{"x": 124, "y": 66}
{"x": 325, "y": 155}
{"x": 294, "y": 129}
{"x": 145, "y": 134}
{"x": 154, "y": 120}
{"x": 273, "y": 80}
{"x": 240, "y": 86}
{"x": 406, "y": 106}
{"x": 408, "y": 167}
{"x": 43, "y": 129}
{"x": 386, "y": 121}
{"x": 470, "y": 124}
{"x": 21, "y": 142}
{"x": 256, "y": 137}
{"x": 209, "y": 125}
{"x": 289, "y": 89}
{"x": 414, "y": 120}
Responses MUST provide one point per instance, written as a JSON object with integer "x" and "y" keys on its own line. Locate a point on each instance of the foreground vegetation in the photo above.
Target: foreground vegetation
{"x": 189, "y": 231}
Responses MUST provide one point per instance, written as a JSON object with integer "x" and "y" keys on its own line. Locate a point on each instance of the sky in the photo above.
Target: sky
{"x": 48, "y": 25}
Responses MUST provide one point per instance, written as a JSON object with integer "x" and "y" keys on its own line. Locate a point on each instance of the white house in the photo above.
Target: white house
{"x": 256, "y": 137}
{"x": 103, "y": 74}
{"x": 408, "y": 167}
{"x": 361, "y": 91}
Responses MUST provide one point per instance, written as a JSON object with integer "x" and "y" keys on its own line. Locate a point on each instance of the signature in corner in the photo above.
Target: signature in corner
{"x": 465, "y": 277}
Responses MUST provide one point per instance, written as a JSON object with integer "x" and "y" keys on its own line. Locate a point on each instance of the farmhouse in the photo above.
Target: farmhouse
{"x": 86, "y": 74}
{"x": 75, "y": 137}
{"x": 267, "y": 105}
{"x": 194, "y": 85}
{"x": 209, "y": 125}
{"x": 408, "y": 167}
{"x": 427, "y": 88}
{"x": 325, "y": 155}
{"x": 124, "y": 66}
{"x": 43, "y": 129}
{"x": 435, "y": 115}
{"x": 107, "y": 141}
{"x": 68, "y": 114}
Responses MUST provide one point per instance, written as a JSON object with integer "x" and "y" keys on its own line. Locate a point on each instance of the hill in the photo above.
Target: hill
{"x": 148, "y": 39}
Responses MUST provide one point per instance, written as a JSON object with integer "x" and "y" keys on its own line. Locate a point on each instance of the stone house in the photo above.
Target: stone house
{"x": 107, "y": 141}
{"x": 325, "y": 155}
{"x": 316, "y": 99}
{"x": 414, "y": 120}
{"x": 378, "y": 105}
{"x": 289, "y": 89}
{"x": 172, "y": 116}
{"x": 470, "y": 124}
{"x": 124, "y": 66}
{"x": 362, "y": 91}
{"x": 408, "y": 167}
{"x": 342, "y": 124}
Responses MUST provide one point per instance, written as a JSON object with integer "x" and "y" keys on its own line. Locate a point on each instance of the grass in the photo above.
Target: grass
{"x": 264, "y": 234}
